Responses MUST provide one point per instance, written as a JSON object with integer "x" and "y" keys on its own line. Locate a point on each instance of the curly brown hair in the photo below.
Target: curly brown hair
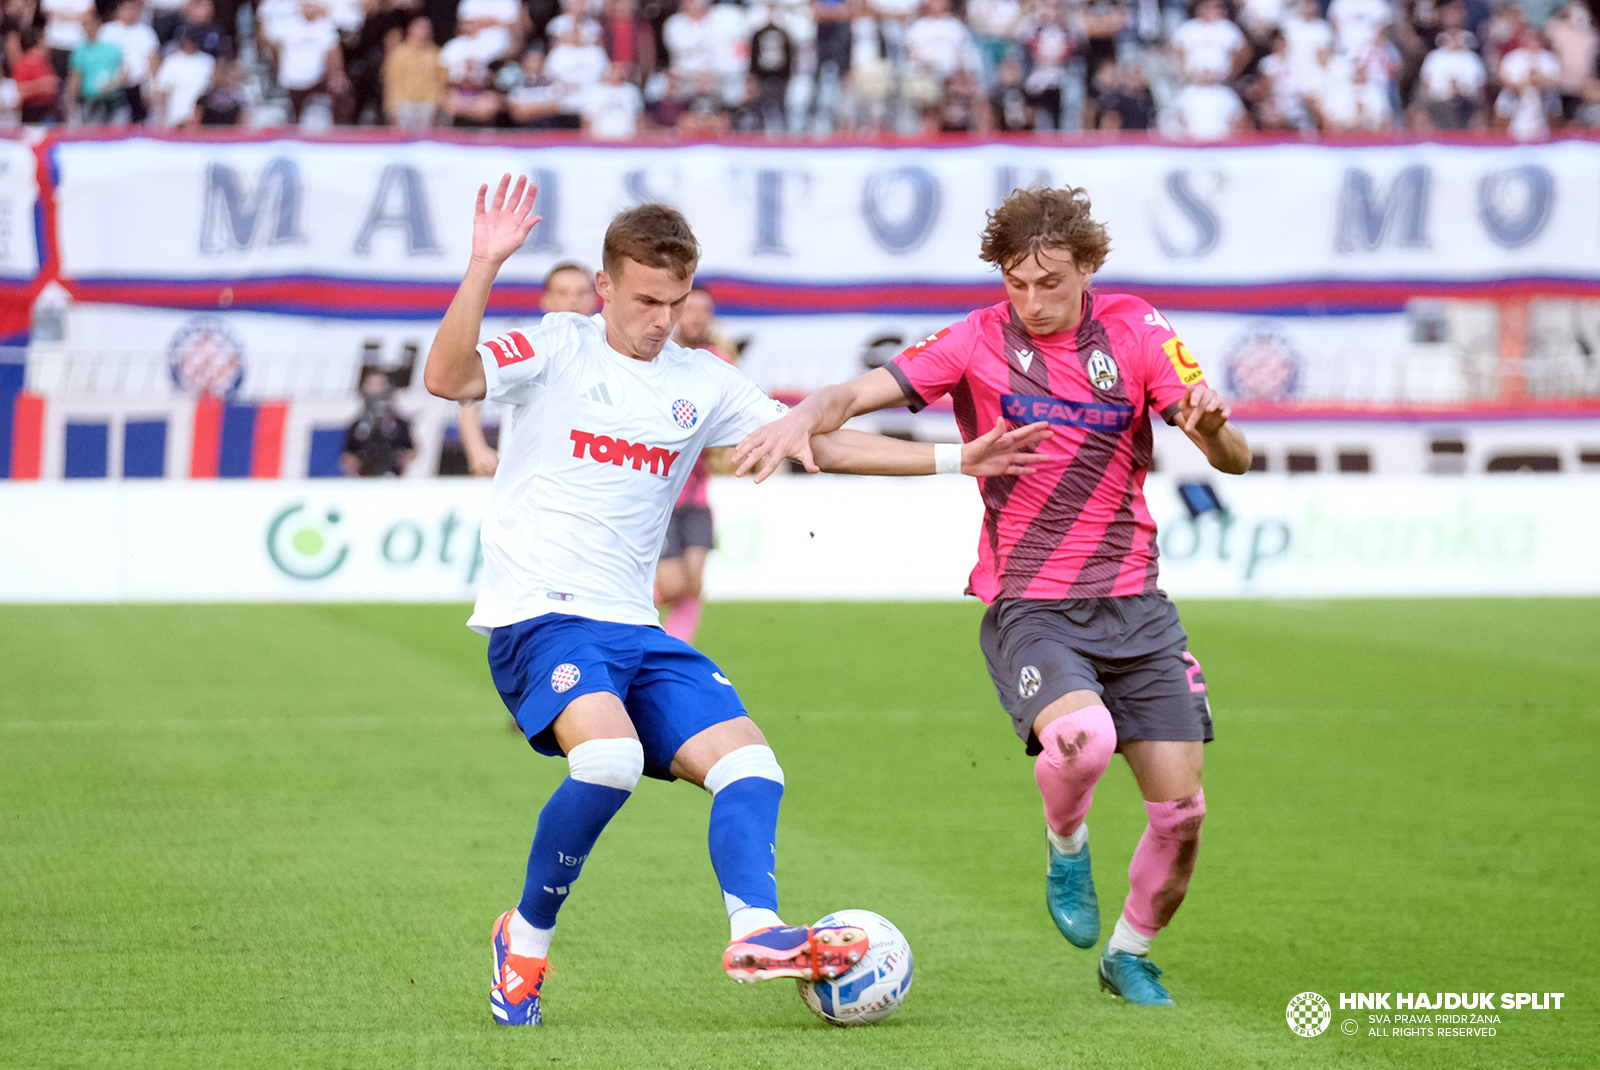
{"x": 1043, "y": 218}
{"x": 655, "y": 235}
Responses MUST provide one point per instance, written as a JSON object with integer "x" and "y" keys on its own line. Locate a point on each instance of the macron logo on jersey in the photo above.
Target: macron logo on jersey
{"x": 619, "y": 451}
{"x": 1106, "y": 419}
{"x": 510, "y": 348}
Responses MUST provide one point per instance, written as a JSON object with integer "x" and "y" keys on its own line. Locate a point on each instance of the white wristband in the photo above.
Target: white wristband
{"x": 947, "y": 459}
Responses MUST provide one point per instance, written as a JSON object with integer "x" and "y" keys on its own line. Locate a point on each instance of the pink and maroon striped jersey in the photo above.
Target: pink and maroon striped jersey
{"x": 1077, "y": 527}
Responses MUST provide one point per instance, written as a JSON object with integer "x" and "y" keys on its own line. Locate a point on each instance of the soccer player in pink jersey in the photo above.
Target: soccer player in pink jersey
{"x": 1086, "y": 652}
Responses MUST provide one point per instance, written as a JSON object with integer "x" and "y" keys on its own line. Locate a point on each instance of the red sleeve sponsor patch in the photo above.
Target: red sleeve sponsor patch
{"x": 510, "y": 348}
{"x": 911, "y": 352}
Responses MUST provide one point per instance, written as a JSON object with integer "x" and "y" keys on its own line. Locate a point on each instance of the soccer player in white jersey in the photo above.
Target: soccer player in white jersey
{"x": 609, "y": 418}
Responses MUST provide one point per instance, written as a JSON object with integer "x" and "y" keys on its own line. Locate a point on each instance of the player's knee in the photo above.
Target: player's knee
{"x": 611, "y": 763}
{"x": 756, "y": 760}
{"x": 1179, "y": 819}
{"x": 1085, "y": 739}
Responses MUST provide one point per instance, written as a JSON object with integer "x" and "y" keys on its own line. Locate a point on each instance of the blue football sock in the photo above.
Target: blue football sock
{"x": 570, "y": 822}
{"x": 743, "y": 839}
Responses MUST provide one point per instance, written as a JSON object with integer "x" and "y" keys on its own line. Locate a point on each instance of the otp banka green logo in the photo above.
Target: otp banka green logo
{"x": 304, "y": 543}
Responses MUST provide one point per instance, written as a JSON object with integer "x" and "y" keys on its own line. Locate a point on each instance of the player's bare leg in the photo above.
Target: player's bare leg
{"x": 1078, "y": 740}
{"x": 1168, "y": 773}
{"x": 678, "y": 582}
{"x": 605, "y": 761}
{"x": 732, "y": 761}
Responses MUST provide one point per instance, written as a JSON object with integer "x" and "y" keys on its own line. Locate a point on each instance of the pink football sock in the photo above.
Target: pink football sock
{"x": 683, "y": 618}
{"x": 1162, "y": 863}
{"x": 1077, "y": 749}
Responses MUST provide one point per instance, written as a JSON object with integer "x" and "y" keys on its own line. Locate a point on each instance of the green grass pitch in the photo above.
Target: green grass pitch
{"x": 276, "y": 837}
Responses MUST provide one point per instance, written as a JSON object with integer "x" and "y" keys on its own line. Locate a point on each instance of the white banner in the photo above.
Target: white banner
{"x": 137, "y": 214}
{"x": 823, "y": 537}
{"x": 19, "y": 199}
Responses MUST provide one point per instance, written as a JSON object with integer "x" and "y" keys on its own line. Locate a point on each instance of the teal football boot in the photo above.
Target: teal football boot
{"x": 1133, "y": 977}
{"x": 1069, "y": 893}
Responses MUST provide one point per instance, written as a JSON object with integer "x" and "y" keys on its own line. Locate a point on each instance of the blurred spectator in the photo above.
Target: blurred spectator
{"x": 1210, "y": 45}
{"x": 1358, "y": 23}
{"x": 963, "y": 109}
{"x": 1204, "y": 110}
{"x": 227, "y": 101}
{"x": 628, "y": 39}
{"x": 489, "y": 27}
{"x": 1528, "y": 98}
{"x": 141, "y": 52}
{"x": 1352, "y": 100}
{"x": 94, "y": 77}
{"x": 1009, "y": 105}
{"x": 938, "y": 45}
{"x": 381, "y": 26}
{"x": 18, "y": 16}
{"x": 772, "y": 65}
{"x": 747, "y": 116}
{"x": 535, "y": 102}
{"x": 1450, "y": 86}
{"x": 1123, "y": 100}
{"x": 1103, "y": 23}
{"x": 310, "y": 60}
{"x": 704, "y": 39}
{"x": 1275, "y": 95}
{"x": 412, "y": 78}
{"x": 704, "y": 112}
{"x": 574, "y": 66}
{"x": 612, "y": 106}
{"x": 199, "y": 19}
{"x": 165, "y": 18}
{"x": 1310, "y": 44}
{"x": 471, "y": 102}
{"x": 37, "y": 84}
{"x": 1576, "y": 45}
{"x": 994, "y": 25}
{"x": 183, "y": 75}
{"x": 574, "y": 13}
{"x": 379, "y": 442}
{"x": 1046, "y": 39}
{"x": 63, "y": 29}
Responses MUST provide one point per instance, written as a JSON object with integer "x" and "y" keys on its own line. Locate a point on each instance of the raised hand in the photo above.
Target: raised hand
{"x": 499, "y": 229}
{"x": 999, "y": 452}
{"x": 1202, "y": 411}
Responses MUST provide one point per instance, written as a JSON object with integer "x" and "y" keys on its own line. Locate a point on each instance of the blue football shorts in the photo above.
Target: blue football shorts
{"x": 670, "y": 690}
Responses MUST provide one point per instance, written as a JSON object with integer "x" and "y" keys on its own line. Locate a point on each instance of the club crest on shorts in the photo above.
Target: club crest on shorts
{"x": 564, "y": 677}
{"x": 1028, "y": 683}
{"x": 1102, "y": 370}
{"x": 684, "y": 413}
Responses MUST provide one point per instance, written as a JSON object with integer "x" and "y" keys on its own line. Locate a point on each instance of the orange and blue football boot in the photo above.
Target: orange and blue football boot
{"x": 811, "y": 954}
{"x": 514, "y": 995}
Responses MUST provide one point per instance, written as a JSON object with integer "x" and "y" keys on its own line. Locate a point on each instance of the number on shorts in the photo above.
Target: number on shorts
{"x": 1197, "y": 678}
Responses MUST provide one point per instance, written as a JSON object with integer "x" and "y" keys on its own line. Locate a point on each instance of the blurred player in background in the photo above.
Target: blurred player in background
{"x": 609, "y": 418}
{"x": 1084, "y": 649}
{"x": 568, "y": 287}
{"x": 689, "y": 534}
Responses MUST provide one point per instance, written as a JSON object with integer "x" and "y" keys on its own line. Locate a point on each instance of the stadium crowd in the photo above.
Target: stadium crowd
{"x": 619, "y": 69}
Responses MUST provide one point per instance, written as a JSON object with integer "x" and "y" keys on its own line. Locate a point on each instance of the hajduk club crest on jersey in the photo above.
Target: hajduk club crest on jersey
{"x": 684, "y": 413}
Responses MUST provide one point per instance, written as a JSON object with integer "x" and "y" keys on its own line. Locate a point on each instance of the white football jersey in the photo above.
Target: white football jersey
{"x": 599, "y": 446}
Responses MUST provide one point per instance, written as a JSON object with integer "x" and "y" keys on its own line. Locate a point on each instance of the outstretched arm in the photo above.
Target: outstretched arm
{"x": 453, "y": 369}
{"x": 997, "y": 453}
{"x": 1204, "y": 418}
{"x": 825, "y": 410}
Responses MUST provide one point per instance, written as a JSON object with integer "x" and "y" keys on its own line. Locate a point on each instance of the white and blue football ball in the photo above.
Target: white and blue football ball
{"x": 872, "y": 989}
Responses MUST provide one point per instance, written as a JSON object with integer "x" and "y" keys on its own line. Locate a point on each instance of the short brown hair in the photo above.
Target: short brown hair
{"x": 655, "y": 235}
{"x": 565, "y": 265}
{"x": 1042, "y": 218}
